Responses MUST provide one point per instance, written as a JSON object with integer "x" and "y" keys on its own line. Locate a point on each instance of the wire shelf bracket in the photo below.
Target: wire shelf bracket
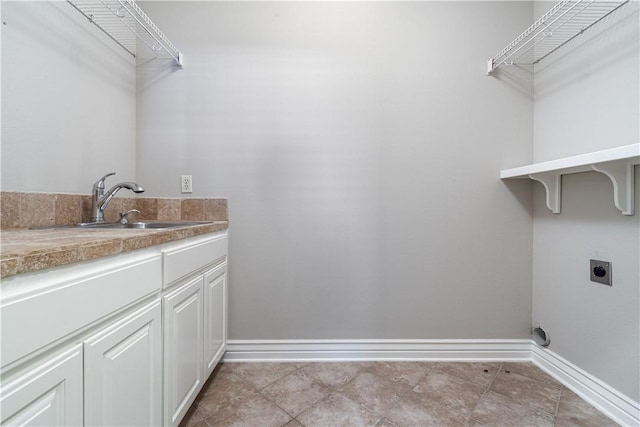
{"x": 562, "y": 23}
{"x": 127, "y": 25}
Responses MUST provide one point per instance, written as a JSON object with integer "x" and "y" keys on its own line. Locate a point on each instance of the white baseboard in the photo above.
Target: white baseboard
{"x": 609, "y": 401}
{"x": 359, "y": 350}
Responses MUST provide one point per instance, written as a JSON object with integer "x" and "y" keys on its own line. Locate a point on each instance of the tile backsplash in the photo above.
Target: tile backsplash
{"x": 23, "y": 210}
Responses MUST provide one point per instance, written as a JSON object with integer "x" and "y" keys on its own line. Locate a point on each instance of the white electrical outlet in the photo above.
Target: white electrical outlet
{"x": 186, "y": 184}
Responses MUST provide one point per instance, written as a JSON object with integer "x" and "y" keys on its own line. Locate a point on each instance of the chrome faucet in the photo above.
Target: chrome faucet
{"x": 124, "y": 216}
{"x": 100, "y": 199}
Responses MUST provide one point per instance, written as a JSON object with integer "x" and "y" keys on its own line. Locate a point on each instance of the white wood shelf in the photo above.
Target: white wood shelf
{"x": 616, "y": 163}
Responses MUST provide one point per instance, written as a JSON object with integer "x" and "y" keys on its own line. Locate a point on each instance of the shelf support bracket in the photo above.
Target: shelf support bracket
{"x": 621, "y": 175}
{"x": 552, "y": 182}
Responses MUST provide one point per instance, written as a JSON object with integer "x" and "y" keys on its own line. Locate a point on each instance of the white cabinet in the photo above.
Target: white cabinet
{"x": 125, "y": 340}
{"x": 123, "y": 371}
{"x": 47, "y": 393}
{"x": 195, "y": 320}
{"x": 183, "y": 348}
{"x": 215, "y": 313}
{"x": 195, "y": 336}
{"x": 68, "y": 299}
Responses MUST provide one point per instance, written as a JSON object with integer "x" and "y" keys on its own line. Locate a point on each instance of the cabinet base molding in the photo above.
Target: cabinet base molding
{"x": 603, "y": 397}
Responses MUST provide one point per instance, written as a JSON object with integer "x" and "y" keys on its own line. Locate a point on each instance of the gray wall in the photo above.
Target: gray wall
{"x": 586, "y": 95}
{"x": 68, "y": 101}
{"x": 587, "y": 99}
{"x": 359, "y": 145}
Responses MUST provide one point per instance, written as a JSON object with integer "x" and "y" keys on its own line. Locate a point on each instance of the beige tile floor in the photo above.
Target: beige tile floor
{"x": 387, "y": 394}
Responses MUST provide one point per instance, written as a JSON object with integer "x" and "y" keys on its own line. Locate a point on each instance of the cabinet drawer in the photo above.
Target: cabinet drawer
{"x": 60, "y": 305}
{"x": 191, "y": 257}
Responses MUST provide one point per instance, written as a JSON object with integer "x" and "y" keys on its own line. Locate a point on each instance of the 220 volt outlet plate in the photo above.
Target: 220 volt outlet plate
{"x": 600, "y": 272}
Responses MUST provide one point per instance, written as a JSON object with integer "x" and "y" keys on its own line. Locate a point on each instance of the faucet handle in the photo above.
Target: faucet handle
{"x": 124, "y": 216}
{"x": 99, "y": 184}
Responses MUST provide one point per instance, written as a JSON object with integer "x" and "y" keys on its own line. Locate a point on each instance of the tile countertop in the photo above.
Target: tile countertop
{"x": 25, "y": 250}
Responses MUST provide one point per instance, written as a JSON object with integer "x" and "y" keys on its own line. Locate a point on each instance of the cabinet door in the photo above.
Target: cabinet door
{"x": 47, "y": 393}
{"x": 123, "y": 371}
{"x": 215, "y": 316}
{"x": 183, "y": 338}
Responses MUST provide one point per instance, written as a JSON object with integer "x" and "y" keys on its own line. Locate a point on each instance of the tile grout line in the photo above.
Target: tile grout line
{"x": 485, "y": 392}
{"x": 410, "y": 389}
{"x": 211, "y": 379}
{"x": 368, "y": 370}
{"x": 306, "y": 409}
{"x": 332, "y": 391}
{"x": 555, "y": 415}
{"x": 530, "y": 408}
{"x": 390, "y": 376}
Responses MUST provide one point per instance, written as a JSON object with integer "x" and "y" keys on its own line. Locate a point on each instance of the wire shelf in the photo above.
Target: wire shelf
{"x": 126, "y": 24}
{"x": 564, "y": 22}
